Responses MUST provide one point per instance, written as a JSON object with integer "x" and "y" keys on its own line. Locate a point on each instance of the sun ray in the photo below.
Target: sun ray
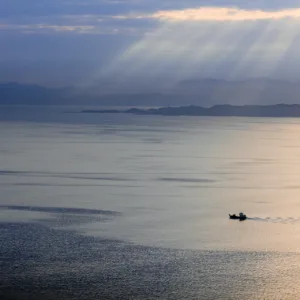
{"x": 249, "y": 43}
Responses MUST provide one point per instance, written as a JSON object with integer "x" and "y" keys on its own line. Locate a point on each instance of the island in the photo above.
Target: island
{"x": 226, "y": 110}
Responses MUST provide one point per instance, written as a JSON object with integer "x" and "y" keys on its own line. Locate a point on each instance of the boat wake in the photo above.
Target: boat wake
{"x": 290, "y": 220}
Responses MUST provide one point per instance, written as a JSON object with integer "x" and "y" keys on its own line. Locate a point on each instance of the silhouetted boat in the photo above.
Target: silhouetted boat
{"x": 240, "y": 217}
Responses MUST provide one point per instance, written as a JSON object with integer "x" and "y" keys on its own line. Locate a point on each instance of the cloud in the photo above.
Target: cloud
{"x": 87, "y": 24}
{"x": 217, "y": 14}
{"x": 34, "y": 28}
{"x": 59, "y": 27}
{"x": 162, "y": 39}
{"x": 128, "y": 17}
{"x": 75, "y": 29}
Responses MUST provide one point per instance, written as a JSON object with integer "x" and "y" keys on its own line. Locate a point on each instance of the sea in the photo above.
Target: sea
{"x": 120, "y": 206}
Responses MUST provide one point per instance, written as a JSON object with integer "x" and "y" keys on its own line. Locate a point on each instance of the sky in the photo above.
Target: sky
{"x": 83, "y": 42}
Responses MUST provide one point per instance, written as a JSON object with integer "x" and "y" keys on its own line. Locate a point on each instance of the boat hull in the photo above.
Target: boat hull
{"x": 233, "y": 217}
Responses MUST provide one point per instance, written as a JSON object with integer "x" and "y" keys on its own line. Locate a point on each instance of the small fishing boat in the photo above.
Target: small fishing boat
{"x": 240, "y": 217}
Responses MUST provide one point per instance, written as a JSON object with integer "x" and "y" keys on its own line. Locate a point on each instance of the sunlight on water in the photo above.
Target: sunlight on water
{"x": 175, "y": 180}
{"x": 159, "y": 189}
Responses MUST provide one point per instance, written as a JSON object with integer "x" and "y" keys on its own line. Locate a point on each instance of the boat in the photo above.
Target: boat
{"x": 240, "y": 217}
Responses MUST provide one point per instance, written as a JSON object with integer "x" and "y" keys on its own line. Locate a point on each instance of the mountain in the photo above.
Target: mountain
{"x": 251, "y": 91}
{"x": 203, "y": 92}
{"x": 19, "y": 94}
{"x": 278, "y": 110}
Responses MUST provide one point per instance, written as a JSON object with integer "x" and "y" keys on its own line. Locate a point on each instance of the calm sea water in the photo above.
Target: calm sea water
{"x": 136, "y": 207}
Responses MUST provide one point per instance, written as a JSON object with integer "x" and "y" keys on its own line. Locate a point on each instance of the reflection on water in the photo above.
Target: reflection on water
{"x": 276, "y": 220}
{"x": 150, "y": 197}
{"x": 41, "y": 262}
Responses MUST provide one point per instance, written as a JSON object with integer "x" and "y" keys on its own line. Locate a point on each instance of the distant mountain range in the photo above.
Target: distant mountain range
{"x": 204, "y": 92}
{"x": 19, "y": 94}
{"x": 279, "y": 110}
